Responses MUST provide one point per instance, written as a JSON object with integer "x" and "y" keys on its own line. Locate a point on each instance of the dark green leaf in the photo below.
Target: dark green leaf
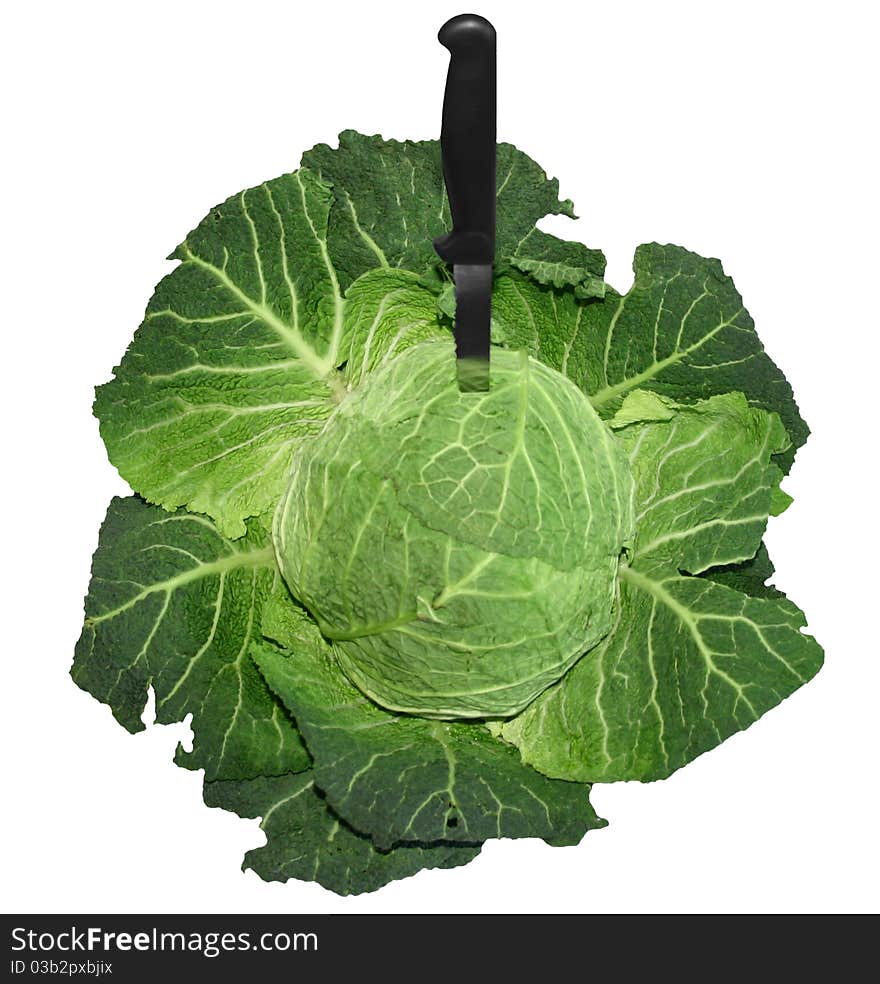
{"x": 401, "y": 778}
{"x": 174, "y": 605}
{"x": 749, "y": 576}
{"x": 681, "y": 331}
{"x": 306, "y": 840}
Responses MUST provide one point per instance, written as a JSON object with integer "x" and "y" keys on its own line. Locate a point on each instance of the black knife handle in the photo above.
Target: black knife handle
{"x": 467, "y": 140}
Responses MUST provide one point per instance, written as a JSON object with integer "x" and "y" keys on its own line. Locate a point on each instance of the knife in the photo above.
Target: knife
{"x": 467, "y": 144}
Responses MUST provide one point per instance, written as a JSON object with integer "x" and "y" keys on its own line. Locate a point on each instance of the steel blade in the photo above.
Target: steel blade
{"x": 473, "y": 311}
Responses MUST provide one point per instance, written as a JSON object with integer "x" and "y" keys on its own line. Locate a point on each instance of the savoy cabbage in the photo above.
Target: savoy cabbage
{"x": 406, "y": 619}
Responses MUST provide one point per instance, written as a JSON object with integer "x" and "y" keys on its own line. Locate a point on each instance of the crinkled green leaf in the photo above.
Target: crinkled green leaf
{"x": 446, "y": 304}
{"x": 174, "y": 605}
{"x": 643, "y": 406}
{"x": 405, "y": 778}
{"x": 561, "y": 263}
{"x": 705, "y": 478}
{"x": 690, "y": 661}
{"x": 235, "y": 361}
{"x": 780, "y": 502}
{"x": 390, "y": 204}
{"x": 681, "y": 331}
{"x": 306, "y": 840}
{"x": 525, "y": 469}
{"x": 546, "y": 323}
{"x": 749, "y": 576}
{"x": 386, "y": 312}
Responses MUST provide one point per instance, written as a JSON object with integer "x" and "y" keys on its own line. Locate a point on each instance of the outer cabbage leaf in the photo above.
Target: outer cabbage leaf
{"x": 390, "y": 204}
{"x": 306, "y": 840}
{"x": 705, "y": 477}
{"x": 681, "y": 331}
{"x": 407, "y": 778}
{"x": 561, "y": 263}
{"x": 235, "y": 361}
{"x": 749, "y": 576}
{"x": 174, "y": 605}
{"x": 690, "y": 661}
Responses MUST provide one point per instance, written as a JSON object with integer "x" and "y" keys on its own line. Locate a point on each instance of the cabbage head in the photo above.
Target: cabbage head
{"x": 460, "y": 549}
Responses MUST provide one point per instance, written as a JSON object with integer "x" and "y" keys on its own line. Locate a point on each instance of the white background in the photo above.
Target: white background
{"x": 741, "y": 130}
